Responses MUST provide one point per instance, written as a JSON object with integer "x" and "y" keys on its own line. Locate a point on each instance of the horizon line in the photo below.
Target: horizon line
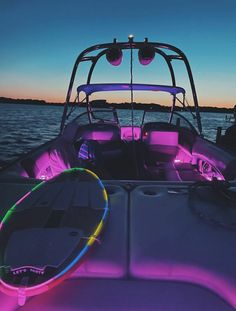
{"x": 42, "y": 102}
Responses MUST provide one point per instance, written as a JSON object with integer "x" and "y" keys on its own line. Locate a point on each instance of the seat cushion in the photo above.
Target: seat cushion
{"x": 99, "y": 132}
{"x": 161, "y": 138}
{"x": 160, "y": 146}
{"x": 167, "y": 241}
{"x": 126, "y": 295}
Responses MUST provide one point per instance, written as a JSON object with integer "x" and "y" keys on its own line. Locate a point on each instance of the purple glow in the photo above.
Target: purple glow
{"x": 183, "y": 155}
{"x": 177, "y": 272}
{"x": 24, "y": 196}
{"x": 161, "y": 138}
{"x": 99, "y": 135}
{"x": 106, "y": 87}
{"x": 127, "y": 133}
{"x": 8, "y": 303}
{"x": 57, "y": 164}
{"x": 178, "y": 161}
{"x": 97, "y": 268}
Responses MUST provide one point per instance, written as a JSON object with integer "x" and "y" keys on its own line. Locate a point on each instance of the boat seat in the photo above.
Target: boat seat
{"x": 159, "y": 126}
{"x": 176, "y": 245}
{"x": 187, "y": 138}
{"x": 38, "y": 166}
{"x": 110, "y": 154}
{"x": 228, "y": 140}
{"x": 63, "y": 154}
{"x": 50, "y": 162}
{"x": 161, "y": 141}
{"x": 101, "y": 132}
{"x": 125, "y": 295}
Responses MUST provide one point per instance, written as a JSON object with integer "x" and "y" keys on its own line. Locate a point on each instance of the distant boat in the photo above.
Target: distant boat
{"x": 229, "y": 118}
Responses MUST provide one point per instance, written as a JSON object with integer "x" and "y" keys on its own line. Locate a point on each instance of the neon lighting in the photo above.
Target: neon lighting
{"x": 37, "y": 186}
{"x": 9, "y": 212}
{"x": 93, "y": 174}
{"x": 73, "y": 169}
{"x": 100, "y": 183}
{"x": 177, "y": 161}
{"x": 187, "y": 273}
{"x": 24, "y": 196}
{"x": 163, "y": 138}
{"x": 96, "y": 233}
{"x": 21, "y": 297}
{"x": 127, "y": 133}
{"x": 57, "y": 279}
{"x": 105, "y": 194}
{"x": 103, "y": 87}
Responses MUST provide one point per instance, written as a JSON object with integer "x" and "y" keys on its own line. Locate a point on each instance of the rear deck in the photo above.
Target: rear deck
{"x": 155, "y": 254}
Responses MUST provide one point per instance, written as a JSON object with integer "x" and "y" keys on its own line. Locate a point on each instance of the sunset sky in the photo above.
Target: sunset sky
{"x": 41, "y": 39}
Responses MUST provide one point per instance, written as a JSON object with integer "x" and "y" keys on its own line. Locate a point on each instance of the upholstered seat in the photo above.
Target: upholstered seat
{"x": 126, "y": 295}
{"x": 63, "y": 154}
{"x": 169, "y": 242}
{"x": 101, "y": 132}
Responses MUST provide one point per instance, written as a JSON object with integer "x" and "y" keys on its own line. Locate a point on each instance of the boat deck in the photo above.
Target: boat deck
{"x": 155, "y": 254}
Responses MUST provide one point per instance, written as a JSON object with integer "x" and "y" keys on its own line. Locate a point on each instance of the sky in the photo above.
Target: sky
{"x": 40, "y": 41}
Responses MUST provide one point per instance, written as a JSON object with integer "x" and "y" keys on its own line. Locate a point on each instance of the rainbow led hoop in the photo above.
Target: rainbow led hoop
{"x": 23, "y": 292}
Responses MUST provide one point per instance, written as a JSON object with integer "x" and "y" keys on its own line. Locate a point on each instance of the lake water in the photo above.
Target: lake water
{"x": 23, "y": 127}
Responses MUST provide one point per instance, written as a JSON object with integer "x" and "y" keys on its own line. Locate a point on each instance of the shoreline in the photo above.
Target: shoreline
{"x": 155, "y": 107}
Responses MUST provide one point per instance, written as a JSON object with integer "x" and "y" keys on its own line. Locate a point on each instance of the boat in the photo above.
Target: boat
{"x": 231, "y": 118}
{"x": 228, "y": 141}
{"x": 170, "y": 240}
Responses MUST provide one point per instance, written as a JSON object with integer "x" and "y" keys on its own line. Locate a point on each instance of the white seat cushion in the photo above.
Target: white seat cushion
{"x": 169, "y": 242}
{"x": 126, "y": 295}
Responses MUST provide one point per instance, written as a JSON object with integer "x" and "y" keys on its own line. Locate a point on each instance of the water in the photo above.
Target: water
{"x": 23, "y": 127}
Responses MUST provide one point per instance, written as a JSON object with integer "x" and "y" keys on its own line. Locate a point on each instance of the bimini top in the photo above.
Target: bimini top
{"x": 88, "y": 89}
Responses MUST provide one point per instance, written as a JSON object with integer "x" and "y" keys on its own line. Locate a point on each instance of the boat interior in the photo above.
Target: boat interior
{"x": 154, "y": 151}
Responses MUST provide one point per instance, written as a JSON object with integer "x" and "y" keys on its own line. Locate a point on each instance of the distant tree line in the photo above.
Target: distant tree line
{"x": 6, "y": 100}
{"x": 104, "y": 104}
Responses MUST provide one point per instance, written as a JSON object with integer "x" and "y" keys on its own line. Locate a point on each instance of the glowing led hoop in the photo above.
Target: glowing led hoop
{"x": 23, "y": 292}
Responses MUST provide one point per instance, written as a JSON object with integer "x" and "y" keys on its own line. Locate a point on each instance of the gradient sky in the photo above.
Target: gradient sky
{"x": 41, "y": 39}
